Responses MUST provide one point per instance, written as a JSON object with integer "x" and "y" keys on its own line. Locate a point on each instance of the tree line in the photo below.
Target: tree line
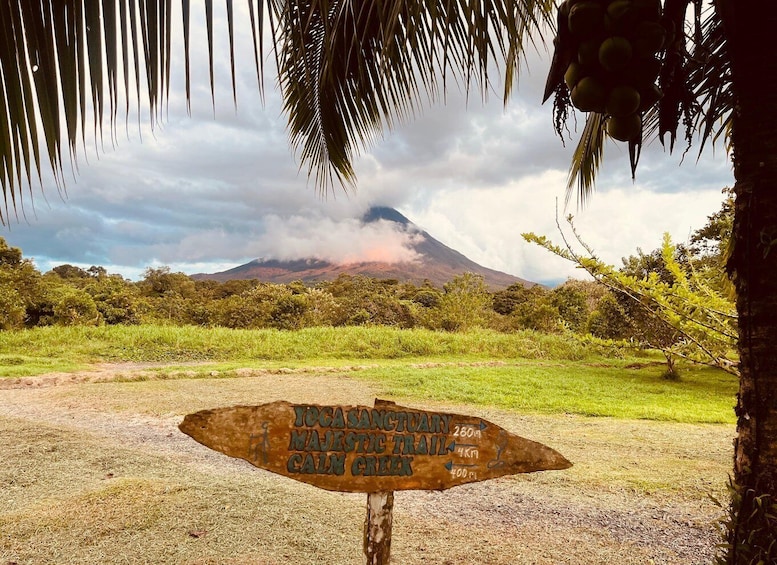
{"x": 653, "y": 300}
{"x": 69, "y": 295}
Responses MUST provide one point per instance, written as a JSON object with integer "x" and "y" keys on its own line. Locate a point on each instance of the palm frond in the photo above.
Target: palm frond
{"x": 65, "y": 62}
{"x": 710, "y": 79}
{"x": 586, "y": 159}
{"x": 350, "y": 67}
{"x": 697, "y": 101}
{"x": 696, "y": 80}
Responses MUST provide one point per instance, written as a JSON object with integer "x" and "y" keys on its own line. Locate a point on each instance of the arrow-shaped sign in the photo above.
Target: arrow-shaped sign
{"x": 368, "y": 449}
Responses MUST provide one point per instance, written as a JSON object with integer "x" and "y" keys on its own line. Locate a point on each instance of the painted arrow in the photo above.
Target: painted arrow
{"x": 455, "y": 445}
{"x": 365, "y": 449}
{"x": 481, "y": 425}
{"x": 450, "y": 465}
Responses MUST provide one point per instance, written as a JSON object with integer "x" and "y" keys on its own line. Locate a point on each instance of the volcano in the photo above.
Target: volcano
{"x": 436, "y": 263}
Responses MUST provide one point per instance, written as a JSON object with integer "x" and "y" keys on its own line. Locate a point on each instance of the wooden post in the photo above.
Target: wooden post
{"x": 377, "y": 528}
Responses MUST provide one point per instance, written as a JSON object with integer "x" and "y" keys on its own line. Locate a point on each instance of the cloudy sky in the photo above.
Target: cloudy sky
{"x": 217, "y": 189}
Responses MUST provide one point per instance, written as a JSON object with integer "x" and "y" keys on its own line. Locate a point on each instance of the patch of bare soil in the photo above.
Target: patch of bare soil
{"x": 96, "y": 471}
{"x": 129, "y": 371}
{"x": 103, "y": 372}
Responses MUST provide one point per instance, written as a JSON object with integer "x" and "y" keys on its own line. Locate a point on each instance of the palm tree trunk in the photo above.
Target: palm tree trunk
{"x": 750, "y": 26}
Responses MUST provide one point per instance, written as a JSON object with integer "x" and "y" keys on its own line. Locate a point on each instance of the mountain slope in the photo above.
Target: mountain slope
{"x": 437, "y": 263}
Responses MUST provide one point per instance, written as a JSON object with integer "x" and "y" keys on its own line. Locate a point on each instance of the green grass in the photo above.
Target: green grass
{"x": 67, "y": 348}
{"x": 701, "y": 396}
{"x": 527, "y": 371}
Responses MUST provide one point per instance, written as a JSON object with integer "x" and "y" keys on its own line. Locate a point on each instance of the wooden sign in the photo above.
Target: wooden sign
{"x": 369, "y": 449}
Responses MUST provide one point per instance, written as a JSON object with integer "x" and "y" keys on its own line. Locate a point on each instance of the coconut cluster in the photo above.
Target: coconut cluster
{"x": 614, "y": 48}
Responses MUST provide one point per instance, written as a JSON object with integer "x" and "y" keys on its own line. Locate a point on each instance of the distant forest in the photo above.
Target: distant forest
{"x": 69, "y": 295}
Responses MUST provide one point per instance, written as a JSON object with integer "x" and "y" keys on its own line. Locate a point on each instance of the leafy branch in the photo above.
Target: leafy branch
{"x": 702, "y": 319}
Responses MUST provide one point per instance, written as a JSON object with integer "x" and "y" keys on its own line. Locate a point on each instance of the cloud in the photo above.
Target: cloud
{"x": 288, "y": 238}
{"x": 344, "y": 241}
{"x": 486, "y": 225}
{"x": 208, "y": 192}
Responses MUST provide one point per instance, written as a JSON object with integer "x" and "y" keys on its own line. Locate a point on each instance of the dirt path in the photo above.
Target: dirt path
{"x": 614, "y": 506}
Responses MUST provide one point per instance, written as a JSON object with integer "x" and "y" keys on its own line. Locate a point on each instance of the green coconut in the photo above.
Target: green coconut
{"x": 615, "y": 53}
{"x": 625, "y": 128}
{"x": 589, "y": 95}
{"x": 621, "y": 16}
{"x": 586, "y": 19}
{"x": 622, "y": 101}
{"x": 573, "y": 74}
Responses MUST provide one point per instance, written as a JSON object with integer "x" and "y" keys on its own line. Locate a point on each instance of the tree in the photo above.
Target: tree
{"x": 239, "y": 311}
{"x": 465, "y": 304}
{"x": 10, "y": 264}
{"x": 9, "y": 256}
{"x": 21, "y": 289}
{"x": 118, "y": 301}
{"x": 161, "y": 281}
{"x": 73, "y": 307}
{"x": 68, "y": 271}
{"x": 714, "y": 238}
{"x": 711, "y": 245}
{"x": 506, "y": 300}
{"x": 642, "y": 276}
{"x": 571, "y": 301}
{"x": 348, "y": 68}
{"x": 670, "y": 309}
{"x": 363, "y": 300}
{"x": 609, "y": 320}
{"x": 538, "y": 314}
{"x": 11, "y": 307}
{"x": 528, "y": 308}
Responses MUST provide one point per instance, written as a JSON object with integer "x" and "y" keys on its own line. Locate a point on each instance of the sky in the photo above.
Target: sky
{"x": 210, "y": 191}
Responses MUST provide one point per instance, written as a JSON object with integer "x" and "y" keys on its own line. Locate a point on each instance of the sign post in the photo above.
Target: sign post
{"x": 379, "y": 520}
{"x": 377, "y": 527}
{"x": 376, "y": 450}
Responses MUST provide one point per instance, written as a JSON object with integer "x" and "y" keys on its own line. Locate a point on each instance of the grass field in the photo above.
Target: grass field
{"x": 64, "y": 348}
{"x": 527, "y": 371}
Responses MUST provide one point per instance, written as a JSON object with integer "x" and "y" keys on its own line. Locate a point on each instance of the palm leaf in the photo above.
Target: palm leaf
{"x": 209, "y": 23}
{"x": 186, "y": 14}
{"x": 696, "y": 80}
{"x": 68, "y": 61}
{"x": 587, "y": 158}
{"x": 349, "y": 68}
{"x": 709, "y": 77}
